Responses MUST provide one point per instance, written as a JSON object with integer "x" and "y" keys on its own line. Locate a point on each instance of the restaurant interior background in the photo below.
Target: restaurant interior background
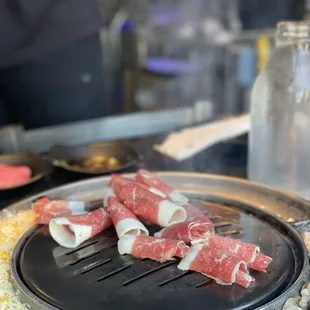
{"x": 183, "y": 52}
{"x": 171, "y": 64}
{"x": 162, "y": 54}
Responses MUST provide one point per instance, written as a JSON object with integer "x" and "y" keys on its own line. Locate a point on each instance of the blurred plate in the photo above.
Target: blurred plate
{"x": 67, "y": 157}
{"x": 38, "y": 165}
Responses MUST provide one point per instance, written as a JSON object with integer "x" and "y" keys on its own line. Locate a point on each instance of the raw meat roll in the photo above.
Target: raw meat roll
{"x": 107, "y": 193}
{"x": 149, "y": 206}
{"x": 247, "y": 252}
{"x": 45, "y": 209}
{"x": 195, "y": 215}
{"x": 71, "y": 231}
{"x": 153, "y": 180}
{"x": 124, "y": 220}
{"x": 260, "y": 263}
{"x": 224, "y": 268}
{"x": 160, "y": 250}
{"x": 120, "y": 180}
{"x": 187, "y": 231}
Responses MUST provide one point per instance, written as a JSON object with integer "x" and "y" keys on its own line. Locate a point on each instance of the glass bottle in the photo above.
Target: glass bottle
{"x": 279, "y": 139}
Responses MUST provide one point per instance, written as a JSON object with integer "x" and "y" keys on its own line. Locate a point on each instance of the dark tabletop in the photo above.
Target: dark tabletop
{"x": 227, "y": 158}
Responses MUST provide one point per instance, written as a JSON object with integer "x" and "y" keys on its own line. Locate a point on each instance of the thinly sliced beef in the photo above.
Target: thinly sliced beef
{"x": 121, "y": 181}
{"x": 149, "y": 247}
{"x": 187, "y": 231}
{"x": 149, "y": 206}
{"x": 224, "y": 268}
{"x": 46, "y": 210}
{"x": 154, "y": 181}
{"x": 14, "y": 175}
{"x": 247, "y": 252}
{"x": 73, "y": 230}
{"x": 125, "y": 222}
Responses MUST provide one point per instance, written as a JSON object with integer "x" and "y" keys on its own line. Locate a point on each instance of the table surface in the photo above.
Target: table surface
{"x": 228, "y": 158}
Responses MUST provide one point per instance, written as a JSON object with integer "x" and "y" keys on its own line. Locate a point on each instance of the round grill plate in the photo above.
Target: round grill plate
{"x": 94, "y": 276}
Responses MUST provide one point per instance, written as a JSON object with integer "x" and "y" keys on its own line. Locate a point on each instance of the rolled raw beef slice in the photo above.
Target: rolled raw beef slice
{"x": 125, "y": 222}
{"x": 120, "y": 180}
{"x": 151, "y": 179}
{"x": 247, "y": 252}
{"x": 149, "y": 206}
{"x": 46, "y": 209}
{"x": 187, "y": 231}
{"x": 73, "y": 230}
{"x": 160, "y": 250}
{"x": 261, "y": 262}
{"x": 224, "y": 268}
{"x": 107, "y": 193}
{"x": 194, "y": 214}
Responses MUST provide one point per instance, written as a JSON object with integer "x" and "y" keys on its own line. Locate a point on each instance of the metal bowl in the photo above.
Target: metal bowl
{"x": 121, "y": 150}
{"x": 38, "y": 165}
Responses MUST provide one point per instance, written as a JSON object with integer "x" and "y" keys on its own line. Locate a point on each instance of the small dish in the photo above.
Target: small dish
{"x": 38, "y": 165}
{"x": 71, "y": 158}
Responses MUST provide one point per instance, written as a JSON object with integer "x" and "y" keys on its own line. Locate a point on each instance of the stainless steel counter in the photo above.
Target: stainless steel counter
{"x": 14, "y": 139}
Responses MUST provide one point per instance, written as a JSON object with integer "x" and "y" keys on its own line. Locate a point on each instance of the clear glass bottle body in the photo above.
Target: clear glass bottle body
{"x": 279, "y": 139}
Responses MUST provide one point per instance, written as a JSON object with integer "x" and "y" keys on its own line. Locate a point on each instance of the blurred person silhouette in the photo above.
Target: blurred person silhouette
{"x": 51, "y": 59}
{"x": 50, "y": 62}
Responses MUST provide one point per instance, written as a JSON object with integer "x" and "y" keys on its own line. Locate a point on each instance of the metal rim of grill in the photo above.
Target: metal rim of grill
{"x": 97, "y": 260}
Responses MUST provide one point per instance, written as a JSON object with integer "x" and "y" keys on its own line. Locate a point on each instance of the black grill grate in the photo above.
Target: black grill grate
{"x": 99, "y": 277}
{"x": 81, "y": 258}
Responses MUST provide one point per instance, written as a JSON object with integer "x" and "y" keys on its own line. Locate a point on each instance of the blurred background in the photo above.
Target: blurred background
{"x": 78, "y": 78}
{"x": 66, "y": 61}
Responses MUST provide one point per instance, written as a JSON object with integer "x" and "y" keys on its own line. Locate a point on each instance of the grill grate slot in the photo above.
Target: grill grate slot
{"x": 231, "y": 232}
{"x": 114, "y": 272}
{"x": 81, "y": 247}
{"x": 89, "y": 250}
{"x": 204, "y": 283}
{"x": 213, "y": 218}
{"x": 144, "y": 274}
{"x": 95, "y": 265}
{"x": 105, "y": 243}
{"x": 180, "y": 275}
{"x": 82, "y": 259}
{"x": 222, "y": 224}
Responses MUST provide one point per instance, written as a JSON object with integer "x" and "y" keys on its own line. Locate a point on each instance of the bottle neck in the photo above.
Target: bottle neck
{"x": 293, "y": 33}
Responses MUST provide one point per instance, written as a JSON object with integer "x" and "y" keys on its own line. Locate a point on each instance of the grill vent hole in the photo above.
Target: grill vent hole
{"x": 144, "y": 274}
{"x": 82, "y": 247}
{"x": 112, "y": 273}
{"x": 95, "y": 265}
{"x": 84, "y": 258}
